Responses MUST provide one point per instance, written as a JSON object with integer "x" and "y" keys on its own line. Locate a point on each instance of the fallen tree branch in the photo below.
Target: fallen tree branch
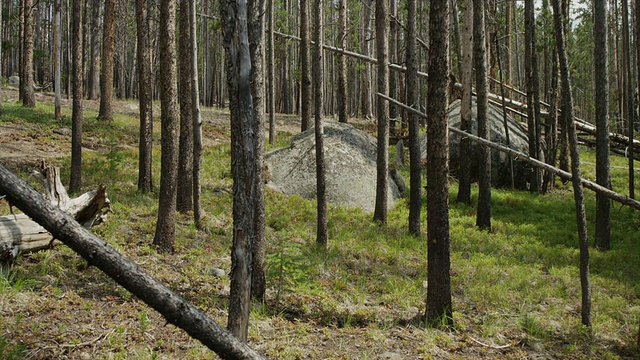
{"x": 625, "y": 200}
{"x": 125, "y": 272}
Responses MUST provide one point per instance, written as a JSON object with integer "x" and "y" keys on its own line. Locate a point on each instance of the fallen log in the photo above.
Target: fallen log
{"x": 20, "y": 234}
{"x": 625, "y": 200}
{"x": 125, "y": 272}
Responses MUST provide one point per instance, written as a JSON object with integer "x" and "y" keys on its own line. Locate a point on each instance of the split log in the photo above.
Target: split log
{"x": 124, "y": 271}
{"x": 625, "y": 200}
{"x": 20, "y": 234}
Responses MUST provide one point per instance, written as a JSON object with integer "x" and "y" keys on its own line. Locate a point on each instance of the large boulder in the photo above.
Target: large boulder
{"x": 14, "y": 80}
{"x": 350, "y": 158}
{"x": 500, "y": 168}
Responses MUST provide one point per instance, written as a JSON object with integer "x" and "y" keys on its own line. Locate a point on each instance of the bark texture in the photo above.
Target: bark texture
{"x": 236, "y": 42}
{"x": 415, "y": 163}
{"x": 28, "y": 94}
{"x": 439, "y": 308}
{"x": 464, "y": 181}
{"x": 145, "y": 146}
{"x": 305, "y": 65}
{"x": 322, "y": 232}
{"x": 483, "y": 220}
{"x": 603, "y": 204}
{"x": 185, "y": 158}
{"x": 77, "y": 110}
{"x": 382, "y": 183}
{"x": 342, "y": 62}
{"x": 108, "y": 55}
{"x": 166, "y": 225}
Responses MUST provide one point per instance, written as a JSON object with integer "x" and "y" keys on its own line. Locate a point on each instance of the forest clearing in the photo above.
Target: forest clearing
{"x": 515, "y": 290}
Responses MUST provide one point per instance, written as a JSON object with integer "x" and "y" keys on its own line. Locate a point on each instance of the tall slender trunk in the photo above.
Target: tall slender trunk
{"x": 464, "y": 183}
{"x": 108, "y": 55}
{"x": 57, "y": 38}
{"x": 415, "y": 163}
{"x": 77, "y": 111}
{"x": 185, "y": 158}
{"x": 382, "y": 160}
{"x": 439, "y": 307}
{"x": 342, "y": 62}
{"x": 603, "y": 205}
{"x": 28, "y": 94}
{"x": 305, "y": 65}
{"x": 483, "y": 220}
{"x": 318, "y": 70}
{"x": 197, "y": 121}
{"x": 533, "y": 110}
{"x": 367, "y": 111}
{"x": 94, "y": 72}
{"x": 270, "y": 73}
{"x": 567, "y": 112}
{"x": 145, "y": 183}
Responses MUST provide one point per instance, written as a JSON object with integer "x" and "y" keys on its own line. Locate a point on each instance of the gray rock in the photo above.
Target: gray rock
{"x": 350, "y": 156}
{"x": 500, "y": 168}
{"x": 400, "y": 153}
{"x": 216, "y": 272}
{"x": 14, "y": 80}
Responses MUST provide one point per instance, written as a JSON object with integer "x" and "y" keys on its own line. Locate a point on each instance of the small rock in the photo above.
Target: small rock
{"x": 217, "y": 272}
{"x": 14, "y": 80}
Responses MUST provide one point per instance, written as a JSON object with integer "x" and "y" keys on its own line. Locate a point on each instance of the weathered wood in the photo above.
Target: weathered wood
{"x": 20, "y": 234}
{"x": 124, "y": 271}
{"x": 625, "y": 200}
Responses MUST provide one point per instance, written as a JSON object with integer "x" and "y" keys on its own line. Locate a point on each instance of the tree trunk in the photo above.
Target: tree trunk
{"x": 125, "y": 272}
{"x": 318, "y": 70}
{"x": 367, "y": 111}
{"x": 342, "y": 62}
{"x": 439, "y": 310}
{"x": 305, "y": 65}
{"x": 415, "y": 163}
{"x": 28, "y": 95}
{"x": 382, "y": 161}
{"x": 236, "y": 41}
{"x": 508, "y": 14}
{"x": 256, "y": 48}
{"x": 57, "y": 48}
{"x": 464, "y": 176}
{"x": 145, "y": 183}
{"x": 77, "y": 112}
{"x": 483, "y": 220}
{"x": 270, "y": 73}
{"x": 94, "y": 69}
{"x": 197, "y": 121}
{"x": 567, "y": 112}
{"x": 533, "y": 111}
{"x": 393, "y": 59}
{"x": 185, "y": 158}
{"x": 166, "y": 225}
{"x": 603, "y": 205}
{"x": 108, "y": 54}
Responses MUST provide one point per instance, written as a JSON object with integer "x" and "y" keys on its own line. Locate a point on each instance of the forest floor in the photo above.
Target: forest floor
{"x": 516, "y": 290}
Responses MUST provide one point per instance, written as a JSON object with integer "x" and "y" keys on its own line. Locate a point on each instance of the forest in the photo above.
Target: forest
{"x": 347, "y": 179}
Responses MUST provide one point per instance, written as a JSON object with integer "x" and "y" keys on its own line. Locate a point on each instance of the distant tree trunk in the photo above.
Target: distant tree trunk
{"x": 185, "y": 159}
{"x": 166, "y": 225}
{"x": 415, "y": 161}
{"x": 256, "y": 48}
{"x": 305, "y": 65}
{"x": 382, "y": 161}
{"x": 342, "y": 62}
{"x": 21, "y": 49}
{"x": 57, "y": 49}
{"x": 108, "y": 55}
{"x": 367, "y": 111}
{"x": 439, "y": 310}
{"x": 464, "y": 181}
{"x": 603, "y": 204}
{"x": 567, "y": 112}
{"x": 236, "y": 42}
{"x": 456, "y": 46}
{"x": 270, "y": 73}
{"x": 552, "y": 126}
{"x": 94, "y": 69}
{"x": 28, "y": 94}
{"x": 483, "y": 220}
{"x": 533, "y": 108}
{"x": 508, "y": 14}
{"x": 1, "y": 58}
{"x": 393, "y": 59}
{"x": 318, "y": 70}
{"x": 197, "y": 121}
{"x": 77, "y": 111}
{"x": 145, "y": 182}
{"x": 630, "y": 113}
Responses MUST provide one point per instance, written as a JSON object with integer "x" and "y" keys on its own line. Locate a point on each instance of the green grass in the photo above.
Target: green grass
{"x": 517, "y": 283}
